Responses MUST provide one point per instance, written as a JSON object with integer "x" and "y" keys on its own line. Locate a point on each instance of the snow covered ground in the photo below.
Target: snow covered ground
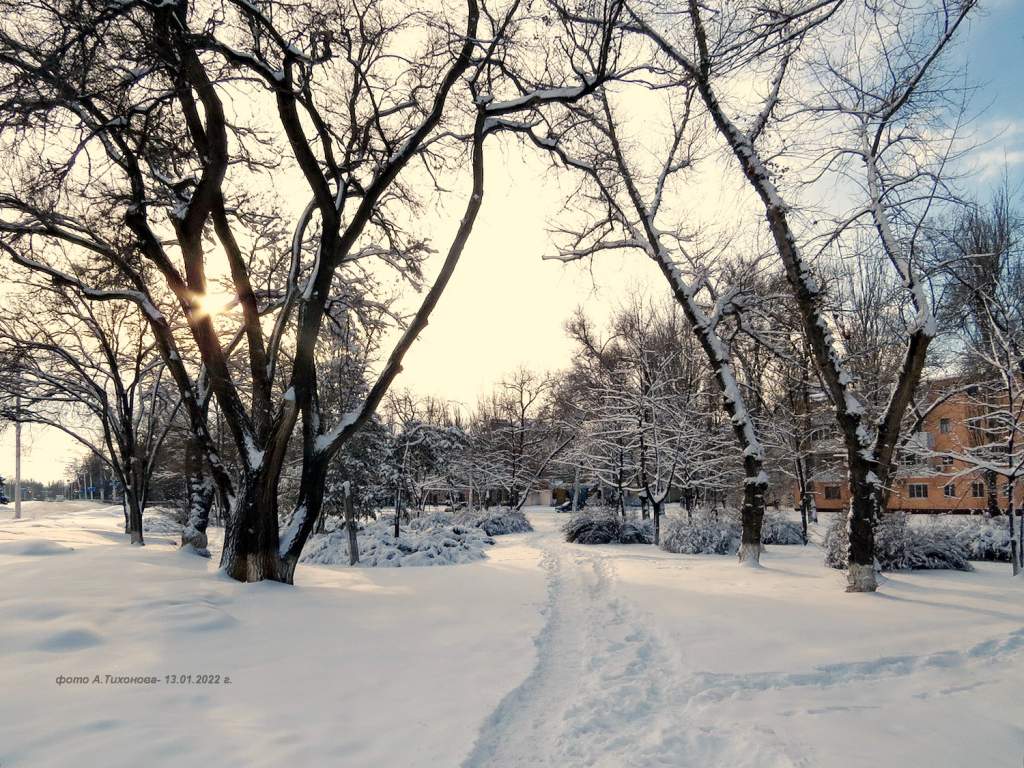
{"x": 545, "y": 653}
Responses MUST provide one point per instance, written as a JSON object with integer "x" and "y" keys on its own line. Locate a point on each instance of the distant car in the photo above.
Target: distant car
{"x": 4, "y": 499}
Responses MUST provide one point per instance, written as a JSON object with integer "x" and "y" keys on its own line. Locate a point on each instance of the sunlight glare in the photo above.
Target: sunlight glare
{"x": 216, "y": 301}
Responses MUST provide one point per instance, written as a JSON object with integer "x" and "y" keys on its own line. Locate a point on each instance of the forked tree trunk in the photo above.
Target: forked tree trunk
{"x": 251, "y": 536}
{"x": 311, "y": 498}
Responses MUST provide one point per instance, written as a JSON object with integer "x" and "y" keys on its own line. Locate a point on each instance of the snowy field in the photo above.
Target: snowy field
{"x": 545, "y": 653}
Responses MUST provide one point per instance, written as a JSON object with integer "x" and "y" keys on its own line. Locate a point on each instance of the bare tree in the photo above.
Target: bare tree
{"x": 141, "y": 128}
{"x": 868, "y": 97}
{"x": 628, "y": 211}
{"x": 514, "y": 438}
{"x": 92, "y": 372}
{"x": 985, "y": 270}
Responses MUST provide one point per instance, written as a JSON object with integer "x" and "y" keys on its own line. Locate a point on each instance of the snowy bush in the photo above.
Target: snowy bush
{"x": 900, "y": 546}
{"x": 779, "y": 529}
{"x": 718, "y": 532}
{"x": 704, "y": 532}
{"x": 497, "y": 521}
{"x": 161, "y": 520}
{"x": 429, "y": 540}
{"x": 983, "y": 538}
{"x": 636, "y": 532}
{"x": 601, "y": 525}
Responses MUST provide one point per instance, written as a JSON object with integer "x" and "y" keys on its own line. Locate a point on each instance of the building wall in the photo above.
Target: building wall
{"x": 946, "y": 429}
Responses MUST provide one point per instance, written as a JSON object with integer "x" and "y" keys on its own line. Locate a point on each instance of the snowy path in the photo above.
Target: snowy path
{"x": 604, "y": 691}
{"x": 594, "y": 669}
{"x": 611, "y": 687}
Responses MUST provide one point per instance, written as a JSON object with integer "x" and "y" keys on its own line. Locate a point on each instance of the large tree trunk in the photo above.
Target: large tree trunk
{"x": 251, "y": 535}
{"x": 133, "y": 512}
{"x": 200, "y": 500}
{"x": 752, "y": 514}
{"x": 863, "y": 515}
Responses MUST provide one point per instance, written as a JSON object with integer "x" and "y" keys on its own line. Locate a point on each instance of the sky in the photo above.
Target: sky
{"x": 506, "y": 306}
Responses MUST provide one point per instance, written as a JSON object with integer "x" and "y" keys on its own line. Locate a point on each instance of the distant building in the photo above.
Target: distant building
{"x": 925, "y": 480}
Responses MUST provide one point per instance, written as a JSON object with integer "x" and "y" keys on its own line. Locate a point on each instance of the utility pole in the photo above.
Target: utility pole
{"x": 17, "y": 451}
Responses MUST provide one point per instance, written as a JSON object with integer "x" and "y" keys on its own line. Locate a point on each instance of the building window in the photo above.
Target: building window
{"x": 947, "y": 463}
{"x": 832, "y": 492}
{"x": 978, "y": 489}
{"x": 918, "y": 490}
{"x": 909, "y": 459}
{"x": 949, "y": 490}
{"x": 944, "y": 426}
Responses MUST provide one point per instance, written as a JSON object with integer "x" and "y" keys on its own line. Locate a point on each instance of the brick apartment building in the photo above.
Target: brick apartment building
{"x": 926, "y": 481}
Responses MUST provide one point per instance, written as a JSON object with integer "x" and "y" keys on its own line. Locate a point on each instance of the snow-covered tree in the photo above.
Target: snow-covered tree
{"x": 92, "y": 372}
{"x": 984, "y": 265}
{"x": 624, "y": 194}
{"x": 866, "y": 78}
{"x": 136, "y": 133}
{"x": 514, "y": 438}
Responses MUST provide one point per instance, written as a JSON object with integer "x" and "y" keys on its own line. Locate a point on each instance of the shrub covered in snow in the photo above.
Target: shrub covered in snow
{"x": 161, "y": 520}
{"x": 496, "y": 521}
{"x": 983, "y": 538}
{"x": 429, "y": 540}
{"x": 601, "y": 525}
{"x": 717, "y": 532}
{"x": 779, "y": 529}
{"x": 636, "y": 532}
{"x": 900, "y": 546}
{"x": 704, "y": 532}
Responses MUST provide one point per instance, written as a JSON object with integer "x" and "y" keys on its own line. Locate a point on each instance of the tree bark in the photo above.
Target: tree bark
{"x": 133, "y": 512}
{"x": 752, "y": 513}
{"x": 863, "y": 516}
{"x": 200, "y": 499}
{"x": 350, "y": 524}
{"x": 657, "y": 522}
{"x": 251, "y": 535}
